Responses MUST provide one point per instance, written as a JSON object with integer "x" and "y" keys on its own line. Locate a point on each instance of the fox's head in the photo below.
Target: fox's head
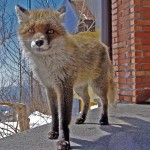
{"x": 39, "y": 30}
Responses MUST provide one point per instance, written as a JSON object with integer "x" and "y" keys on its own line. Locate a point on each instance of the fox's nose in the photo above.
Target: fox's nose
{"x": 39, "y": 43}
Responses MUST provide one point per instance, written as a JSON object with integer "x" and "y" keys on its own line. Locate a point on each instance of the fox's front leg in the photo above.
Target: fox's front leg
{"x": 65, "y": 98}
{"x": 52, "y": 100}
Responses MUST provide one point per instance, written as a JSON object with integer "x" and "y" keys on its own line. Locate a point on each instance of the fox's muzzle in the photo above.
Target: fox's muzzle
{"x": 39, "y": 43}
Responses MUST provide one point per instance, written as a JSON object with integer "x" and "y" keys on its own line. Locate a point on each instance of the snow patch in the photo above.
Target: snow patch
{"x": 38, "y": 119}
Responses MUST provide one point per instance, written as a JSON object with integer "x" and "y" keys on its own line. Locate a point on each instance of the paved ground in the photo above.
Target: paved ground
{"x": 129, "y": 130}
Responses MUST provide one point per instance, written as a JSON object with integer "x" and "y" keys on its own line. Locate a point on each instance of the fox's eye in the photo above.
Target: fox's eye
{"x": 50, "y": 31}
{"x": 31, "y": 30}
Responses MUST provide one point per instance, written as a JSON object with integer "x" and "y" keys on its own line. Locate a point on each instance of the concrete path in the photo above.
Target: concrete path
{"x": 129, "y": 130}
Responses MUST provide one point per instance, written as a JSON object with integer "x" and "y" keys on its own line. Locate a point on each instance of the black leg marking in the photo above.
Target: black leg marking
{"x": 82, "y": 91}
{"x": 63, "y": 145}
{"x": 65, "y": 99}
{"x": 81, "y": 119}
{"x": 104, "y": 120}
{"x": 53, "y": 135}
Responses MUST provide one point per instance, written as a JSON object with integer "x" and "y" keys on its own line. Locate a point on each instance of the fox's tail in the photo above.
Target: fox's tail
{"x": 112, "y": 90}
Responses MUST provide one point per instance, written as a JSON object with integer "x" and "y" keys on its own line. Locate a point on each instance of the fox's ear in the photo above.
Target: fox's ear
{"x": 22, "y": 13}
{"x": 62, "y": 13}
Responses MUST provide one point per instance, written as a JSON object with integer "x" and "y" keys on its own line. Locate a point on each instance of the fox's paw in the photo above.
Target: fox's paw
{"x": 104, "y": 121}
{"x": 63, "y": 145}
{"x": 53, "y": 135}
{"x": 80, "y": 121}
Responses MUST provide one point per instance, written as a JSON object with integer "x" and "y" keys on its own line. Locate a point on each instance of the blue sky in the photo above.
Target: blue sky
{"x": 71, "y": 18}
{"x": 70, "y": 24}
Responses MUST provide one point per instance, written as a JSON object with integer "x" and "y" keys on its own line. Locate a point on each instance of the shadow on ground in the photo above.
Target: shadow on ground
{"x": 133, "y": 134}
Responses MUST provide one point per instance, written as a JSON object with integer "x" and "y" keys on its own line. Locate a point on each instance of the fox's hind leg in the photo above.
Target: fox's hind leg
{"x": 100, "y": 88}
{"x": 82, "y": 91}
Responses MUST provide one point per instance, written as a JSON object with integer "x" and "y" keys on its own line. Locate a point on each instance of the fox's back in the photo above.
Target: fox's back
{"x": 89, "y": 53}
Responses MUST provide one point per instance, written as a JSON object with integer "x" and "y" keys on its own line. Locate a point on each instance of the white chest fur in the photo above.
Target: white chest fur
{"x": 47, "y": 68}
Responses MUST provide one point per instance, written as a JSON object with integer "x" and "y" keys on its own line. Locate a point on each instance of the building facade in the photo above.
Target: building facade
{"x": 131, "y": 48}
{"x": 125, "y": 28}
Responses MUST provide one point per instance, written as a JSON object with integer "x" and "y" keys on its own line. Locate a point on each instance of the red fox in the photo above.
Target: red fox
{"x": 63, "y": 63}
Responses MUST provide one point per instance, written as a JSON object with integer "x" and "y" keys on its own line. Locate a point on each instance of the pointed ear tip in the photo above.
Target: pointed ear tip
{"x": 17, "y": 7}
{"x": 62, "y": 9}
